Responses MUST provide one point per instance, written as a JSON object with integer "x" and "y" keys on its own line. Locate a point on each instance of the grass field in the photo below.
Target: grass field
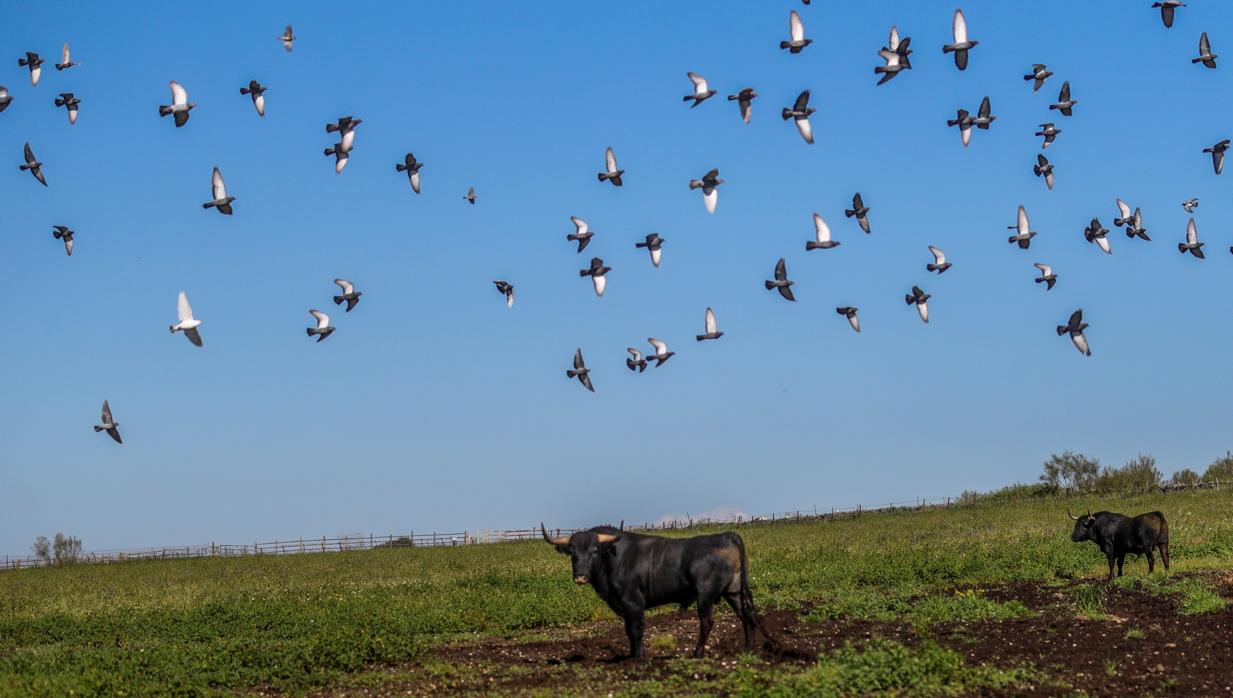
{"x": 384, "y": 619}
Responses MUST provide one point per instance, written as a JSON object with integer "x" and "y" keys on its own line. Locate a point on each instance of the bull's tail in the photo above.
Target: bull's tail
{"x": 748, "y": 609}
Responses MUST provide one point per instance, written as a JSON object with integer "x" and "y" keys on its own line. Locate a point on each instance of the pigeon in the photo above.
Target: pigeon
{"x": 1125, "y": 216}
{"x": 1217, "y": 152}
{"x": 635, "y": 362}
{"x": 1074, "y": 327}
{"x": 963, "y": 120}
{"x": 701, "y": 91}
{"x": 62, "y": 232}
{"x": 323, "y": 329}
{"x": 859, "y": 211}
{"x": 342, "y": 155}
{"x": 287, "y": 38}
{"x": 921, "y": 300}
{"x": 32, "y": 164}
{"x": 65, "y": 61}
{"x": 1167, "y": 8}
{"x": 598, "y": 273}
{"x": 412, "y": 167}
{"x": 257, "y": 91}
{"x": 1206, "y": 57}
{"x": 1189, "y": 205}
{"x": 661, "y": 351}
{"x": 187, "y": 323}
{"x": 582, "y": 233}
{"x": 1047, "y": 277}
{"x": 984, "y": 116}
{"x": 895, "y": 53}
{"x": 5, "y": 98}
{"x": 940, "y": 265}
{"x": 1097, "y": 233}
{"x": 506, "y": 289}
{"x": 781, "y": 282}
{"x": 1039, "y": 73}
{"x": 712, "y": 327}
{"x": 221, "y": 201}
{"x": 901, "y": 48}
{"x": 744, "y": 99}
{"x": 180, "y": 106}
{"x": 1064, "y": 103}
{"x": 1023, "y": 234}
{"x": 470, "y": 195}
{"x": 345, "y": 126}
{"x": 109, "y": 425}
{"x": 69, "y": 102}
{"x": 961, "y": 45}
{"x": 611, "y": 172}
{"x": 1135, "y": 227}
{"x": 709, "y": 185}
{"x": 348, "y": 294}
{"x": 800, "y": 112}
{"x": 35, "y": 64}
{"x": 581, "y": 372}
{"x": 850, "y": 313}
{"x": 1049, "y": 131}
{"x": 654, "y": 244}
{"x": 822, "y": 236}
{"x": 796, "y": 34}
{"x": 1045, "y": 169}
{"x": 1192, "y": 244}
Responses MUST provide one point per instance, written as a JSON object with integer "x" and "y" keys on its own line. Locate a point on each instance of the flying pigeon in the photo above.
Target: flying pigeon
{"x": 712, "y": 327}
{"x": 1206, "y": 57}
{"x": 582, "y": 233}
{"x": 1135, "y": 227}
{"x": 939, "y": 264}
{"x": 635, "y": 362}
{"x": 1049, "y": 131}
{"x": 1192, "y": 244}
{"x": 506, "y": 289}
{"x": 963, "y": 120}
{"x": 65, "y": 60}
{"x": 611, "y": 172}
{"x": 1023, "y": 233}
{"x": 921, "y": 300}
{"x": 1189, "y": 205}
{"x": 850, "y": 313}
{"x": 348, "y": 294}
{"x": 661, "y": 352}
{"x": 709, "y": 185}
{"x": 35, "y": 64}
{"x": 180, "y": 106}
{"x": 859, "y": 211}
{"x": 796, "y": 32}
{"x": 781, "y": 282}
{"x": 109, "y": 425}
{"x": 1167, "y": 8}
{"x": 32, "y": 164}
{"x": 412, "y": 167}
{"x": 984, "y": 115}
{"x": 1097, "y": 233}
{"x": 701, "y": 91}
{"x": 580, "y": 371}
{"x": 323, "y": 329}
{"x": 1064, "y": 103}
{"x": 895, "y": 53}
{"x": 287, "y": 38}
{"x": 822, "y": 236}
{"x": 470, "y": 195}
{"x": 62, "y": 232}
{"x": 5, "y": 98}
{"x": 1044, "y": 168}
{"x": 1124, "y": 214}
{"x": 1047, "y": 277}
{"x": 1039, "y": 73}
{"x": 654, "y": 244}
{"x": 800, "y": 112}
{"x": 187, "y": 323}
{"x": 69, "y": 101}
{"x": 345, "y": 126}
{"x": 598, "y": 273}
{"x": 341, "y": 155}
{"x": 1217, "y": 152}
{"x": 961, "y": 45}
{"x": 221, "y": 201}
{"x": 744, "y": 99}
{"x": 257, "y": 91}
{"x": 1074, "y": 327}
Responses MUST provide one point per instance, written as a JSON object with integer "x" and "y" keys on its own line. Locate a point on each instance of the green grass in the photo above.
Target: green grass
{"x": 293, "y": 623}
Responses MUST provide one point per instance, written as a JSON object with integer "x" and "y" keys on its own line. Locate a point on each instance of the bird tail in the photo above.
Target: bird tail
{"x": 1062, "y": 329}
{"x": 209, "y": 204}
{"x": 603, "y": 176}
{"x": 769, "y": 285}
{"x": 811, "y": 245}
{"x": 848, "y": 213}
{"x": 163, "y": 110}
{"x": 784, "y": 44}
{"x": 695, "y": 184}
{"x": 931, "y": 267}
{"x": 311, "y": 331}
{"x": 59, "y": 102}
{"x": 338, "y": 300}
{"x": 909, "y": 299}
{"x": 399, "y": 167}
{"x": 1036, "y": 170}
{"x": 571, "y": 373}
{"x": 329, "y": 150}
{"x": 244, "y": 90}
{"x": 584, "y": 272}
{"x": 1181, "y": 248}
{"x": 699, "y": 337}
{"x": 787, "y": 113}
{"x": 171, "y": 328}
{"x": 948, "y": 49}
{"x": 97, "y": 429}
{"x": 21, "y": 62}
{"x": 330, "y": 128}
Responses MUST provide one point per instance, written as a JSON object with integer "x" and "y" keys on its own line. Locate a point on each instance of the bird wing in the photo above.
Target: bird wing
{"x": 781, "y": 270}
{"x": 64, "y": 52}
{"x": 893, "y": 44}
{"x": 610, "y": 160}
{"x": 710, "y": 196}
{"x": 822, "y": 231}
{"x": 1192, "y": 233}
{"x": 804, "y": 128}
{"x": 959, "y": 27}
{"x": 854, "y": 321}
{"x": 796, "y": 28}
{"x": 985, "y": 110}
{"x": 1045, "y": 269}
{"x": 746, "y": 107}
{"x": 323, "y": 320}
{"x": 1037, "y": 68}
{"x": 802, "y": 101}
{"x": 636, "y": 354}
{"x": 1076, "y": 319}
{"x": 891, "y": 58}
{"x": 1123, "y": 208}
{"x": 1205, "y": 48}
{"x": 193, "y": 336}
{"x": 660, "y": 347}
{"x": 1103, "y": 243}
{"x": 922, "y": 308}
{"x": 1064, "y": 94}
{"x": 939, "y": 257}
{"x": 578, "y": 362}
{"x": 857, "y": 202}
{"x": 107, "y": 413}
{"x": 1042, "y": 160}
{"x": 1080, "y": 341}
{"x": 711, "y": 326}
{"x": 1021, "y": 223}
{"x": 600, "y": 282}
{"x": 184, "y": 311}
{"x": 179, "y": 96}
{"x": 30, "y": 159}
{"x": 579, "y": 224}
{"x": 700, "y": 86}
{"x": 346, "y": 286}
{"x": 218, "y": 186}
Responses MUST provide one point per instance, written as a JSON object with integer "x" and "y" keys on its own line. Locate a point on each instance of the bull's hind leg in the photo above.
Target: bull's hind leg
{"x": 706, "y": 619}
{"x": 1121, "y": 560}
{"x": 1164, "y": 554}
{"x": 746, "y": 622}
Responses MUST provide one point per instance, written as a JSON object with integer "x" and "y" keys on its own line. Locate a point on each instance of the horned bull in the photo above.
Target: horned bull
{"x": 1118, "y": 534}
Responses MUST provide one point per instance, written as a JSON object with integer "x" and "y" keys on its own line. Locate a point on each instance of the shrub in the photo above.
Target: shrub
{"x": 1184, "y": 478}
{"x": 1071, "y": 470}
{"x": 1221, "y": 468}
{"x": 1139, "y": 476}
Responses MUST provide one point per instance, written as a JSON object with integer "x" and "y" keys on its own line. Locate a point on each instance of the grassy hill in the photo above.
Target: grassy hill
{"x": 440, "y": 619}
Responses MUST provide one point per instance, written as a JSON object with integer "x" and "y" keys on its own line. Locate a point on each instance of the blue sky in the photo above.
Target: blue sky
{"x": 433, "y": 406}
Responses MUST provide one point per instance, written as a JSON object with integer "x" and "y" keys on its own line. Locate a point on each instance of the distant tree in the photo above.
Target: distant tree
{"x": 1184, "y": 478}
{"x": 42, "y": 549}
{"x": 66, "y": 549}
{"x": 1221, "y": 468}
{"x": 1139, "y": 475}
{"x": 1071, "y": 470}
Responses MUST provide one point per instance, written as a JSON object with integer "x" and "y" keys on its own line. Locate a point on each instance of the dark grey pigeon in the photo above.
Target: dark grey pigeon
{"x": 345, "y": 127}
{"x": 1206, "y": 57}
{"x": 109, "y": 425}
{"x": 653, "y": 244}
{"x": 288, "y": 39}
{"x": 34, "y": 63}
{"x": 744, "y": 99}
{"x": 70, "y": 102}
{"x": 849, "y": 312}
{"x": 506, "y": 289}
{"x": 218, "y": 189}
{"x": 800, "y": 112}
{"x": 1074, "y": 327}
{"x": 1064, "y": 103}
{"x": 582, "y": 233}
{"x": 963, "y": 120}
{"x": 1217, "y": 152}
{"x": 1023, "y": 232}
{"x": 580, "y": 371}
{"x": 896, "y": 54}
{"x": 1192, "y": 244}
{"x": 1049, "y": 131}
{"x": 66, "y": 60}
{"x": 341, "y": 155}
{"x": 709, "y": 184}
{"x": 257, "y": 91}
{"x": 1039, "y": 73}
{"x": 635, "y": 362}
{"x": 1167, "y": 8}
{"x": 412, "y": 167}
{"x": 984, "y": 116}
{"x": 859, "y": 211}
{"x": 1098, "y": 234}
{"x": 32, "y": 164}
{"x": 822, "y": 236}
{"x": 920, "y": 299}
{"x": 961, "y": 45}
{"x": 781, "y": 282}
{"x": 701, "y": 91}
{"x": 712, "y": 327}
{"x": 796, "y": 34}
{"x": 1135, "y": 227}
{"x": 1047, "y": 277}
{"x": 611, "y": 172}
{"x": 323, "y": 328}
{"x": 470, "y": 197}
{"x": 598, "y": 273}
{"x": 62, "y": 232}
{"x": 349, "y": 294}
{"x": 661, "y": 352}
{"x": 1190, "y": 205}
{"x": 1043, "y": 168}
{"x": 179, "y": 107}
{"x": 939, "y": 263}
{"x": 5, "y": 98}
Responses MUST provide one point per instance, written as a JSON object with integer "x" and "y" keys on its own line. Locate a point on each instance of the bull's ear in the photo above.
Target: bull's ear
{"x": 562, "y": 548}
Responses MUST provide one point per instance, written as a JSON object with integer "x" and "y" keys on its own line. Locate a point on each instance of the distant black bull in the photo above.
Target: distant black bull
{"x": 632, "y": 572}
{"x": 1118, "y": 534}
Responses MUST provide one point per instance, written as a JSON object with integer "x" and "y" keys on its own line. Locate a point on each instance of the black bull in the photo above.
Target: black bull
{"x": 632, "y": 572}
{"x": 1118, "y": 534}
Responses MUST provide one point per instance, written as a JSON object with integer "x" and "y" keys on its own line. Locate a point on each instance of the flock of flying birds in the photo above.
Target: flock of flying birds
{"x": 896, "y": 56}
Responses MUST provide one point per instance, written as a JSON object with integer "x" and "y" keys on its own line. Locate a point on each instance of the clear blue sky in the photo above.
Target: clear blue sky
{"x": 433, "y": 406}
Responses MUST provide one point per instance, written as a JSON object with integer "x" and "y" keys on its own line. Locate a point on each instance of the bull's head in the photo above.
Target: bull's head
{"x": 1085, "y": 526}
{"x": 583, "y": 548}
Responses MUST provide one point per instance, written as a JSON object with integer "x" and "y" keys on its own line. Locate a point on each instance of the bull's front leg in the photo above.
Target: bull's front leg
{"x": 1121, "y": 560}
{"x": 1151, "y": 561}
{"x": 635, "y": 624}
{"x": 706, "y": 619}
{"x": 1112, "y": 559}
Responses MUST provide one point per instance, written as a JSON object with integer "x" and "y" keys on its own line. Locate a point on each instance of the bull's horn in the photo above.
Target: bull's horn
{"x": 552, "y": 541}
{"x": 1072, "y": 516}
{"x": 607, "y": 538}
